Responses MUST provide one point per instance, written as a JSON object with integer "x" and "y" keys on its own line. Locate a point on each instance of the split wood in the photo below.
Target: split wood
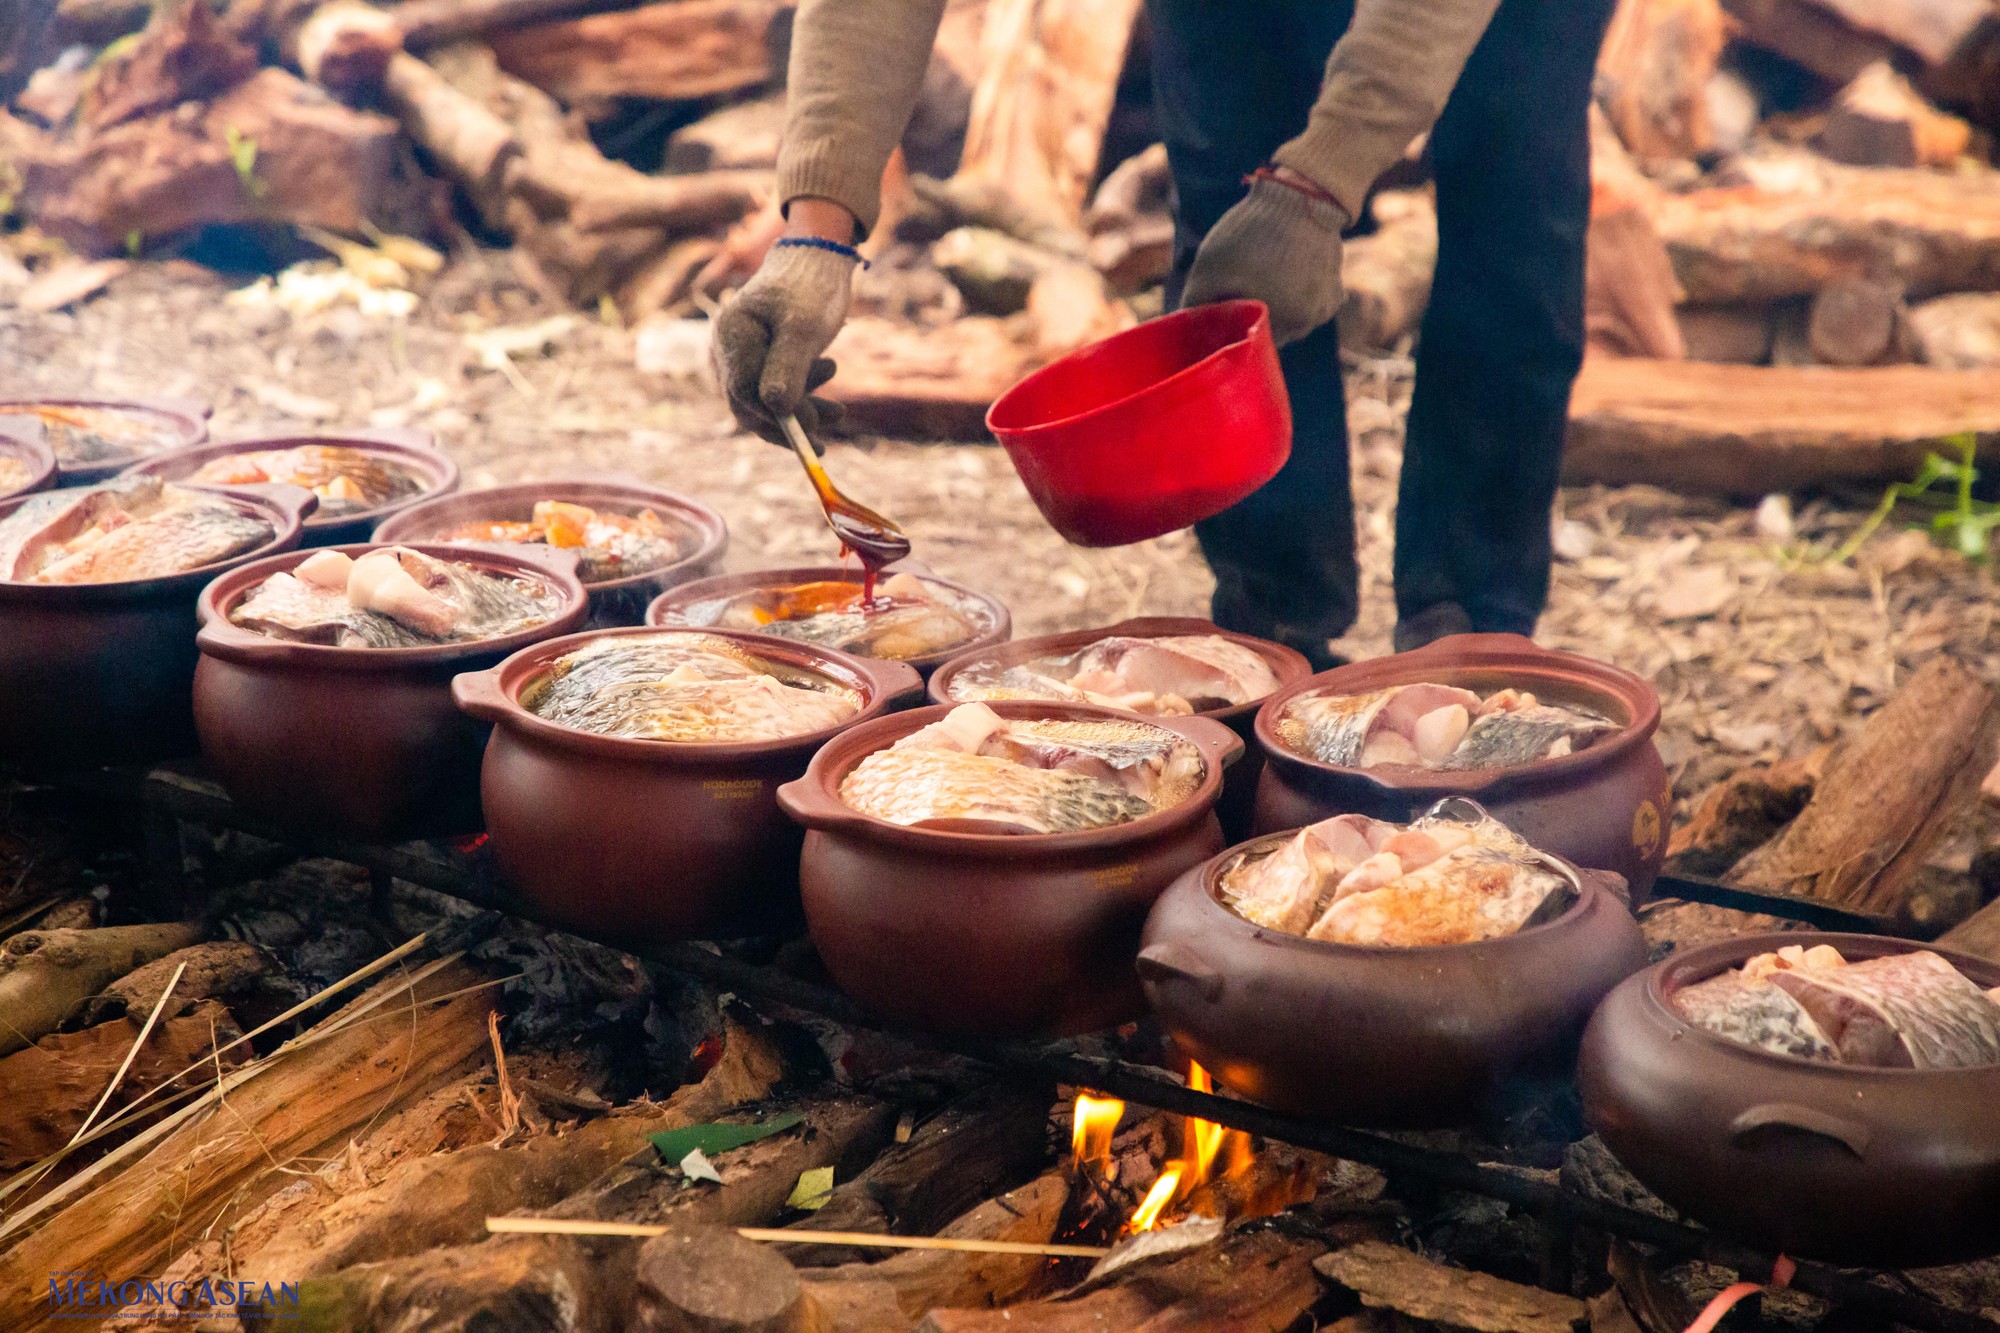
{"x": 556, "y": 1226}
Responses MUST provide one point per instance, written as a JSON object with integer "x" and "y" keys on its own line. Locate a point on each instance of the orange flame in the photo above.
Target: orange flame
{"x": 1204, "y": 1144}
{"x": 1147, "y": 1215}
{"x": 1096, "y": 1120}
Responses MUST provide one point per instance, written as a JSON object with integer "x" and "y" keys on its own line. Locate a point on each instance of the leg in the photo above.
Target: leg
{"x": 1232, "y": 82}
{"x": 1503, "y": 338}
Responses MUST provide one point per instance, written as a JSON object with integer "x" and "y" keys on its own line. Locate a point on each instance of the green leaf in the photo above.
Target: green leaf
{"x": 712, "y": 1140}
{"x": 815, "y": 1187}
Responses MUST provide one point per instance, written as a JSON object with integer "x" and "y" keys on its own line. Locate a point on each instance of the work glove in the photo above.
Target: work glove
{"x": 769, "y": 337}
{"x": 1278, "y": 245}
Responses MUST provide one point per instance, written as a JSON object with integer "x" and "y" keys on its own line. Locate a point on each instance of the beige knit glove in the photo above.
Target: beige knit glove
{"x": 1280, "y": 246}
{"x": 768, "y": 339}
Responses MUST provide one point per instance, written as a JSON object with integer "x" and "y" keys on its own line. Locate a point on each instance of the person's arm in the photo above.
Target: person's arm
{"x": 1387, "y": 80}
{"x": 856, "y": 69}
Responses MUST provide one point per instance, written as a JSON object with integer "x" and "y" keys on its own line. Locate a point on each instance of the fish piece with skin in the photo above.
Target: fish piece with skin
{"x": 395, "y": 598}
{"x": 1507, "y": 737}
{"x": 1196, "y": 671}
{"x": 910, "y": 617}
{"x": 1285, "y": 890}
{"x": 1335, "y": 728}
{"x": 378, "y": 582}
{"x": 286, "y": 607}
{"x": 1145, "y": 760}
{"x": 126, "y": 529}
{"x": 1477, "y": 892}
{"x": 685, "y": 688}
{"x": 345, "y": 479}
{"x": 1909, "y": 1010}
{"x": 1754, "y": 1013}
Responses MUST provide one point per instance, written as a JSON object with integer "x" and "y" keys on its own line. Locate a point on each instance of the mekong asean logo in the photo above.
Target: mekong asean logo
{"x": 80, "y": 1295}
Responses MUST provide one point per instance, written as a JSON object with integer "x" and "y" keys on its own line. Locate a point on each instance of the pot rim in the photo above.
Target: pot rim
{"x": 495, "y": 695}
{"x": 1709, "y": 960}
{"x": 284, "y": 507}
{"x": 1288, "y": 664}
{"x": 22, "y": 437}
{"x": 1512, "y": 653}
{"x": 191, "y": 413}
{"x": 710, "y": 528}
{"x": 814, "y": 799}
{"x": 718, "y": 586}
{"x": 1171, "y": 385}
{"x": 219, "y": 638}
{"x": 438, "y": 474}
{"x": 1588, "y": 891}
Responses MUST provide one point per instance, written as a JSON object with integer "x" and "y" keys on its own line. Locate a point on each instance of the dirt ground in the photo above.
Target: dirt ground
{"x": 1756, "y": 655}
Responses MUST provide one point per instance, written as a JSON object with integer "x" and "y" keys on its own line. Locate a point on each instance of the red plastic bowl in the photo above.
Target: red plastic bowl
{"x": 1152, "y": 429}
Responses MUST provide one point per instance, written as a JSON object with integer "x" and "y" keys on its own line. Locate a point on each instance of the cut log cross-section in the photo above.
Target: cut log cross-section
{"x": 1751, "y": 430}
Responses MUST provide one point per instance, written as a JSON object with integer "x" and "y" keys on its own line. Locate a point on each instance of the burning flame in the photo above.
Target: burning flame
{"x": 1208, "y": 1152}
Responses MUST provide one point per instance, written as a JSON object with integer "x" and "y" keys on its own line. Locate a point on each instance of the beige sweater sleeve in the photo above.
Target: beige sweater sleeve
{"x": 1386, "y": 81}
{"x": 856, "y": 68}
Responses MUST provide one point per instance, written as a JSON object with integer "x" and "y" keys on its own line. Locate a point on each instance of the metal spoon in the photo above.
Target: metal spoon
{"x": 874, "y": 538}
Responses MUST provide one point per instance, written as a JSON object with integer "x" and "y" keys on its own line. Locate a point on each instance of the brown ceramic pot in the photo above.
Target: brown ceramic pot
{"x": 1377, "y": 1036}
{"x": 620, "y": 601}
{"x": 1608, "y": 807}
{"x": 359, "y": 742}
{"x": 414, "y": 450}
{"x": 1889, "y": 1168}
{"x": 21, "y": 440}
{"x": 670, "y": 608}
{"x": 629, "y": 839}
{"x": 991, "y": 934}
{"x": 182, "y": 422}
{"x": 98, "y": 673}
{"x": 1239, "y": 784}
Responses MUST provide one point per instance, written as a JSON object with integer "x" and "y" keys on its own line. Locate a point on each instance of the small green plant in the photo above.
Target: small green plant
{"x": 135, "y": 241}
{"x": 243, "y": 156}
{"x": 1967, "y": 527}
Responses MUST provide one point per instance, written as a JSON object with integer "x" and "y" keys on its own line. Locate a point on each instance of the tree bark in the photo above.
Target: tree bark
{"x": 215, "y": 969}
{"x": 1750, "y": 430}
{"x": 670, "y": 52}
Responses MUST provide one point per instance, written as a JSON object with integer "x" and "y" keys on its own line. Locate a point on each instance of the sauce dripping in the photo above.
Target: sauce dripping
{"x": 877, "y": 541}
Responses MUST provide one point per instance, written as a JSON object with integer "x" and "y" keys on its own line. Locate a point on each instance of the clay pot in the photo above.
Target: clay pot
{"x": 1239, "y": 784}
{"x": 620, "y": 601}
{"x": 98, "y": 673}
{"x": 636, "y": 840}
{"x": 181, "y": 422}
{"x": 414, "y": 450}
{"x": 1608, "y": 807}
{"x": 356, "y": 742}
{"x": 1401, "y": 1037}
{"x": 1888, "y": 1168}
{"x": 671, "y": 608}
{"x": 991, "y": 934}
{"x": 21, "y": 440}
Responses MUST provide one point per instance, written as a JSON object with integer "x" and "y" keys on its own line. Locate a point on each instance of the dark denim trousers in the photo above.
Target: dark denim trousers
{"x": 1500, "y": 344}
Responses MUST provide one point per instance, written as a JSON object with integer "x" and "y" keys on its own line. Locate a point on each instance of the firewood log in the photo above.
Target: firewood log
{"x": 1739, "y": 334}
{"x": 214, "y": 969}
{"x": 1957, "y": 332}
{"x": 671, "y": 52}
{"x": 185, "y": 54}
{"x": 46, "y": 975}
{"x": 445, "y": 1199}
{"x": 1387, "y": 1276}
{"x": 1879, "y": 121}
{"x": 1248, "y": 1280}
{"x": 52, "y": 1085}
{"x": 922, "y": 383}
{"x": 1751, "y": 430}
{"x": 1629, "y": 287}
{"x": 736, "y": 137}
{"x": 1743, "y": 812}
{"x": 427, "y": 23}
{"x": 1043, "y": 100}
{"x": 1927, "y": 231}
{"x": 1857, "y": 322}
{"x": 975, "y": 1147}
{"x": 1933, "y": 30}
{"x": 305, "y": 1100}
{"x": 1978, "y": 934}
{"x": 521, "y": 1281}
{"x": 1653, "y": 72}
{"x": 1888, "y": 794}
{"x": 711, "y": 1280}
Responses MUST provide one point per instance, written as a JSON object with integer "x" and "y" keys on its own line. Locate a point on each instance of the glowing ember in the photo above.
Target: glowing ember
{"x": 1095, "y": 1122}
{"x": 1147, "y": 1215}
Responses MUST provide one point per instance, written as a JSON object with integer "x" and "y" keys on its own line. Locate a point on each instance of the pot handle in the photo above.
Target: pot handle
{"x": 810, "y": 804}
{"x": 897, "y": 682}
{"x": 479, "y": 693}
{"x": 1806, "y": 1119}
{"x": 1610, "y": 881}
{"x": 1169, "y": 961}
{"x": 1219, "y": 745}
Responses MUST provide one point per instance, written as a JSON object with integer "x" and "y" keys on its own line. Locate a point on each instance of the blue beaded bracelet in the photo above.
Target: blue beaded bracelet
{"x": 821, "y": 243}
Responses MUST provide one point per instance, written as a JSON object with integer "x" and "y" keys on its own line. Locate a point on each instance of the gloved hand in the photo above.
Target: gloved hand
{"x": 768, "y": 339}
{"x": 1280, "y": 246}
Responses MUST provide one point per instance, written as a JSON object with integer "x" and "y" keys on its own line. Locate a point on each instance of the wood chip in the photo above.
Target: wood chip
{"x": 1387, "y": 1276}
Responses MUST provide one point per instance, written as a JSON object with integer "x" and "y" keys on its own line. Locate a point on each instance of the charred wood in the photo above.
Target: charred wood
{"x": 1743, "y": 812}
{"x": 215, "y": 969}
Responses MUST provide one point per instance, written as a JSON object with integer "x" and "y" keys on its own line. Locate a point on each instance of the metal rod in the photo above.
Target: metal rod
{"x": 1792, "y": 906}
